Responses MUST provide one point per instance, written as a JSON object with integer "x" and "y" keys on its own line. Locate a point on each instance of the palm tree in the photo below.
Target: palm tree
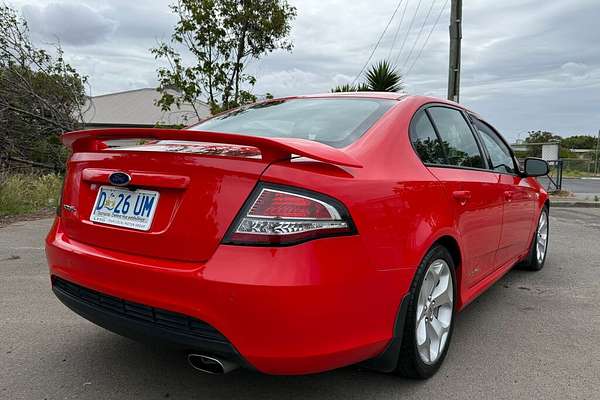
{"x": 381, "y": 77}
{"x": 344, "y": 88}
{"x": 384, "y": 77}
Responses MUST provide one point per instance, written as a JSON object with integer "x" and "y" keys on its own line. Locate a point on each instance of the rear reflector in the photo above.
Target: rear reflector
{"x": 59, "y": 204}
{"x": 280, "y": 215}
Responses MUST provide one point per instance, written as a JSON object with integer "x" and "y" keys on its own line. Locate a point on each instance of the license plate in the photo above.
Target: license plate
{"x": 132, "y": 209}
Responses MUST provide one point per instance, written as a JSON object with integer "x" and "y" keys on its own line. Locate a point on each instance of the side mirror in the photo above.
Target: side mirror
{"x": 536, "y": 167}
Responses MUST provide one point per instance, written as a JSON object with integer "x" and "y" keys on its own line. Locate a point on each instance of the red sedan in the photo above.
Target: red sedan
{"x": 297, "y": 235}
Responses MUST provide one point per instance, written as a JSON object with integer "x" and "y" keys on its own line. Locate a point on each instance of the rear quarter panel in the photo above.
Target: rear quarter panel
{"x": 399, "y": 208}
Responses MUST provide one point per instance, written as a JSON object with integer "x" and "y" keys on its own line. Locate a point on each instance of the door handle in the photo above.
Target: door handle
{"x": 508, "y": 195}
{"x": 462, "y": 196}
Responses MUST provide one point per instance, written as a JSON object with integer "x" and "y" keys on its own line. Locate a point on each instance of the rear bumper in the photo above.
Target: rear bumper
{"x": 299, "y": 309}
{"x": 143, "y": 323}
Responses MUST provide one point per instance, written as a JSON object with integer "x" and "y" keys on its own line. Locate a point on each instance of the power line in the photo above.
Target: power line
{"x": 412, "y": 49}
{"x": 412, "y": 21}
{"x": 398, "y": 30}
{"x": 378, "y": 42}
{"x": 427, "y": 38}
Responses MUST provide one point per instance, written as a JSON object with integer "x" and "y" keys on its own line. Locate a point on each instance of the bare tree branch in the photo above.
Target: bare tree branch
{"x": 41, "y": 96}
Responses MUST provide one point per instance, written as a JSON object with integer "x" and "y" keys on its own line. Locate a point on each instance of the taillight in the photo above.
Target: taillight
{"x": 282, "y": 215}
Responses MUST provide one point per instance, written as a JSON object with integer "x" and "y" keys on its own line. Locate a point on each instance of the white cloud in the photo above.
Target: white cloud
{"x": 71, "y": 23}
{"x": 527, "y": 64}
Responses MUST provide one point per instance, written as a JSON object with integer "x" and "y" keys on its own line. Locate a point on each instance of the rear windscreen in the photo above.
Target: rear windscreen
{"x": 332, "y": 121}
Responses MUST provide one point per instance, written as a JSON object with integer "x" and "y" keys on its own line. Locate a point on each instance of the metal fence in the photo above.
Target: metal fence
{"x": 555, "y": 176}
{"x": 575, "y": 162}
{"x": 579, "y": 165}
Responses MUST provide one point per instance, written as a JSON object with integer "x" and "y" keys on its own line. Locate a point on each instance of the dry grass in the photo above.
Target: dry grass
{"x": 569, "y": 173}
{"x": 562, "y": 193}
{"x": 28, "y": 193}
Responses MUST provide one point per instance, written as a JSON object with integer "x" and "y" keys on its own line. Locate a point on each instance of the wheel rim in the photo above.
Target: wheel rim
{"x": 434, "y": 311}
{"x": 542, "y": 237}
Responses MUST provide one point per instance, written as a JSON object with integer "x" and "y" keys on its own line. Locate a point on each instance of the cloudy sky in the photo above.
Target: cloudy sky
{"x": 527, "y": 64}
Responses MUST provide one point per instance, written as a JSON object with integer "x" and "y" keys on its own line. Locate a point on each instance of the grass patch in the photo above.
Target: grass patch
{"x": 28, "y": 193}
{"x": 569, "y": 173}
{"x": 562, "y": 193}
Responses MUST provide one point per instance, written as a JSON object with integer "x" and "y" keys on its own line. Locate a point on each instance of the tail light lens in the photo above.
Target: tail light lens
{"x": 282, "y": 215}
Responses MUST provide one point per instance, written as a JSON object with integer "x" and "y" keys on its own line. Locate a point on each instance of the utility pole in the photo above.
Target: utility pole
{"x": 597, "y": 153}
{"x": 455, "y": 39}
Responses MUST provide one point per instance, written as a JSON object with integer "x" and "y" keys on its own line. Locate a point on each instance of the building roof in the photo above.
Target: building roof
{"x": 138, "y": 108}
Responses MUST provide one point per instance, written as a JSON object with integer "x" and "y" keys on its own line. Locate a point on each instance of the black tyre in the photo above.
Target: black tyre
{"x": 536, "y": 258}
{"x": 430, "y": 316}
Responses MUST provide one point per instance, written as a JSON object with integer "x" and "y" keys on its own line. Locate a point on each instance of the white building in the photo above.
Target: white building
{"x": 137, "y": 108}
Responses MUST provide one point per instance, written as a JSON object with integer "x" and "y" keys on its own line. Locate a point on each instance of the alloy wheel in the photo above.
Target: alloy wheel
{"x": 434, "y": 311}
{"x": 542, "y": 237}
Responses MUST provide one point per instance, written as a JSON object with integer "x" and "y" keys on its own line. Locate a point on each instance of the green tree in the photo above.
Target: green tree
{"x": 380, "y": 77}
{"x": 41, "y": 97}
{"x": 579, "y": 142}
{"x": 542, "y": 137}
{"x": 221, "y": 36}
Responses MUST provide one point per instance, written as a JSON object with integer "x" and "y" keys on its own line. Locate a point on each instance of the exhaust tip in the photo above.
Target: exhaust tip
{"x": 210, "y": 365}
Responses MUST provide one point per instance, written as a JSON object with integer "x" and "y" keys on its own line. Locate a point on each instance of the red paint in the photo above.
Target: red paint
{"x": 98, "y": 175}
{"x": 303, "y": 308}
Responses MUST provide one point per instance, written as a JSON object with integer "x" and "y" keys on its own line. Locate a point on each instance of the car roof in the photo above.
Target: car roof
{"x": 379, "y": 95}
{"x": 373, "y": 95}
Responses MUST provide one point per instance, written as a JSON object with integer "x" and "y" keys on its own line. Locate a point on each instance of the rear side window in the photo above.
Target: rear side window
{"x": 457, "y": 138}
{"x": 500, "y": 155}
{"x": 333, "y": 121}
{"x": 425, "y": 140}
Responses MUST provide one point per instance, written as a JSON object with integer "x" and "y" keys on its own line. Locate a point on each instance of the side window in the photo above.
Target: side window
{"x": 457, "y": 138}
{"x": 425, "y": 140}
{"x": 502, "y": 160}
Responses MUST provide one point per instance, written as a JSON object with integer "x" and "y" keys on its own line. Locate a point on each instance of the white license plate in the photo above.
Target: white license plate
{"x": 132, "y": 209}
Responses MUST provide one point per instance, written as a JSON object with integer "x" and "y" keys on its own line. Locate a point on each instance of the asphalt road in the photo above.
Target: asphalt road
{"x": 531, "y": 336}
{"x": 581, "y": 188}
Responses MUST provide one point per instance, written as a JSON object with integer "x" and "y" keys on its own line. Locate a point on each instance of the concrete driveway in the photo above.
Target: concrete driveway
{"x": 531, "y": 336}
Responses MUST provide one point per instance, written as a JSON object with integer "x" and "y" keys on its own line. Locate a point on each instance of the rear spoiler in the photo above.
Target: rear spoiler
{"x": 271, "y": 148}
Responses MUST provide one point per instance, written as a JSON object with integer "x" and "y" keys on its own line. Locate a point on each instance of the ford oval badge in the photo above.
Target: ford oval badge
{"x": 119, "y": 179}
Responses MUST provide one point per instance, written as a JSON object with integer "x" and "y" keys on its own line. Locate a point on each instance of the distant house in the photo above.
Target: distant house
{"x": 549, "y": 151}
{"x": 583, "y": 154}
{"x": 519, "y": 145}
{"x": 137, "y": 108}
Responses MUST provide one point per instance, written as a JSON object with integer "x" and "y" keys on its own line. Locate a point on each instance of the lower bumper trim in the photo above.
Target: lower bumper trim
{"x": 114, "y": 319}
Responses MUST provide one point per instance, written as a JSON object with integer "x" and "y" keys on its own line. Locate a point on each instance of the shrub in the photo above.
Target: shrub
{"x": 26, "y": 193}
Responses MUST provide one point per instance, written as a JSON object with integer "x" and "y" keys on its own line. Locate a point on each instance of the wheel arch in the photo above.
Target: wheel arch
{"x": 450, "y": 243}
{"x": 453, "y": 247}
{"x": 387, "y": 361}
